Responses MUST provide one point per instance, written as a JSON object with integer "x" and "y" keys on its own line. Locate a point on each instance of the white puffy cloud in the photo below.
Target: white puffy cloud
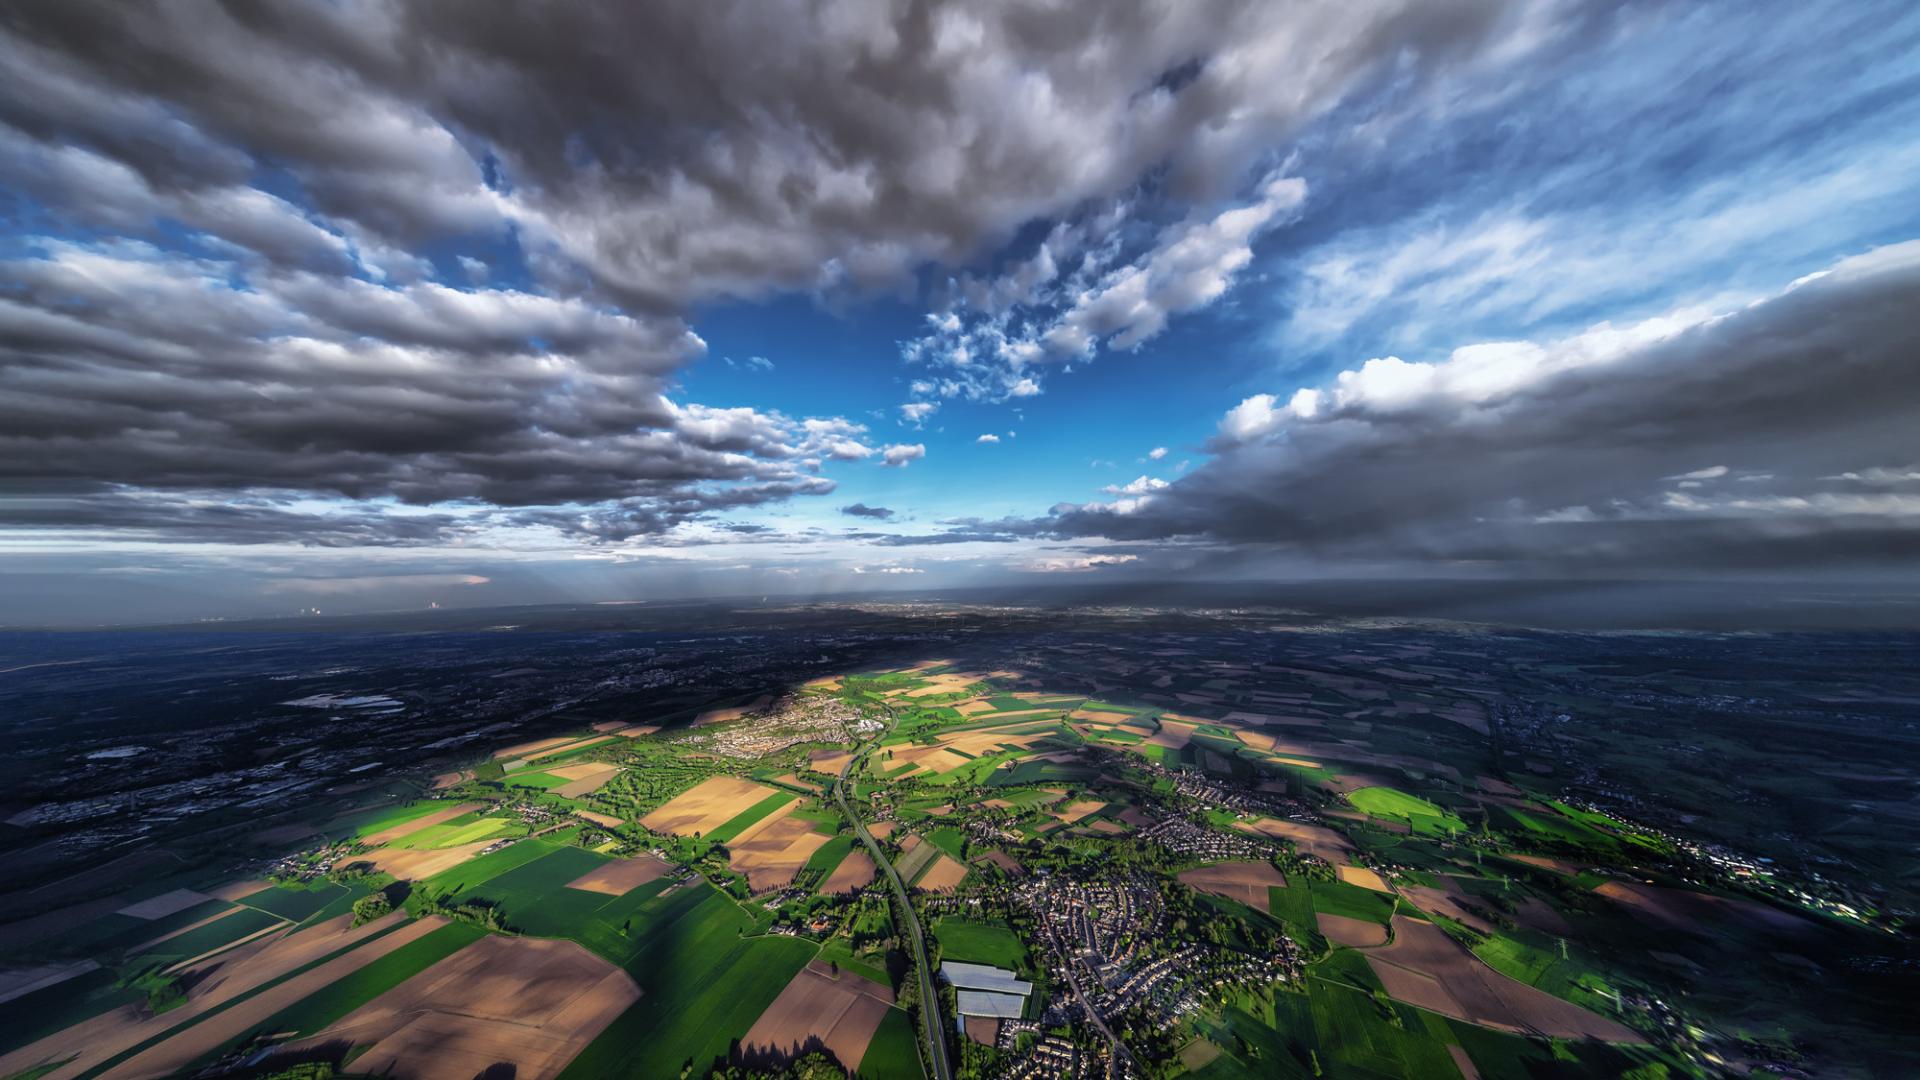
{"x": 988, "y": 438}
{"x": 899, "y": 454}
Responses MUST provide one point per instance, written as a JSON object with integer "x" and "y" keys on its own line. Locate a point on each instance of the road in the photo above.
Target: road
{"x": 936, "y": 1032}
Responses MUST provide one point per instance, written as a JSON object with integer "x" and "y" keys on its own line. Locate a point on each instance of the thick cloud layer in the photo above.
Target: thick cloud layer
{"x": 1781, "y": 434}
{"x": 245, "y": 216}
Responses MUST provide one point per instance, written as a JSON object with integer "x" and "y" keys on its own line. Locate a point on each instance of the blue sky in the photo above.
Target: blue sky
{"x": 364, "y": 304}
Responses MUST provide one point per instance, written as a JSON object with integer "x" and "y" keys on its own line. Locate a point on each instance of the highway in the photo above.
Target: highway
{"x": 936, "y": 1034}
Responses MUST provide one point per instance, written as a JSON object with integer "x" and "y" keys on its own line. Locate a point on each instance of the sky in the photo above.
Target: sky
{"x": 357, "y": 306}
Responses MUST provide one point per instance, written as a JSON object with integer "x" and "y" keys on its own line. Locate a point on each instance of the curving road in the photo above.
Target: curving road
{"x": 936, "y": 1032}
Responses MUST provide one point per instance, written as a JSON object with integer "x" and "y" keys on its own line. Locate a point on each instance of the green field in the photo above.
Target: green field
{"x": 1421, "y": 815}
{"x": 1339, "y": 898}
{"x": 297, "y": 902}
{"x": 466, "y": 829}
{"x": 745, "y": 819}
{"x": 367, "y": 822}
{"x": 543, "y": 781}
{"x": 978, "y": 942}
{"x": 828, "y": 857}
{"x": 894, "y": 1052}
{"x": 223, "y": 931}
{"x": 948, "y": 839}
{"x": 704, "y": 982}
{"x": 486, "y": 867}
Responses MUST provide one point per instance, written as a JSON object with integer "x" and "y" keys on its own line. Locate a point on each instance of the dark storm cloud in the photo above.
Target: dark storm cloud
{"x": 671, "y": 152}
{"x": 1750, "y": 439}
{"x": 227, "y": 292}
{"x": 128, "y": 515}
{"x": 862, "y": 510}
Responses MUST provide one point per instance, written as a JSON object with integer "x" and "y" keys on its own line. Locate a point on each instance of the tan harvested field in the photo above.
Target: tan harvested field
{"x": 606, "y": 820}
{"x": 530, "y": 1003}
{"x": 837, "y": 1012}
{"x": 1558, "y": 866}
{"x": 1697, "y": 911}
{"x": 408, "y": 828}
{"x": 239, "y": 890}
{"x": 552, "y": 752}
{"x": 829, "y": 682}
{"x": 1363, "y": 877}
{"x": 219, "y": 983}
{"x": 721, "y": 716}
{"x": 621, "y": 876}
{"x": 1310, "y": 839}
{"x": 881, "y": 829}
{"x": 1425, "y": 967}
{"x": 1074, "y": 811}
{"x": 1097, "y": 716}
{"x": 828, "y": 761}
{"x": 970, "y": 744}
{"x": 1358, "y": 933}
{"x": 159, "y": 907}
{"x": 637, "y": 730}
{"x": 944, "y": 875}
{"x": 1246, "y": 882}
{"x": 950, "y": 683}
{"x": 587, "y": 778}
{"x": 518, "y": 750}
{"x": 1108, "y": 827}
{"x": 411, "y": 865}
{"x": 1173, "y": 735}
{"x": 772, "y": 850}
{"x": 854, "y": 873}
{"x": 795, "y": 780}
{"x": 706, "y": 806}
{"x": 449, "y": 779}
{"x": 970, "y": 708}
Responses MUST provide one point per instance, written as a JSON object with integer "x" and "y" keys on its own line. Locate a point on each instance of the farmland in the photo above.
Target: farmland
{"x": 1244, "y": 856}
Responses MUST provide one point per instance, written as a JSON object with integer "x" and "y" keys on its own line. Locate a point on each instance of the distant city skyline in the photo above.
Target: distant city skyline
{"x": 362, "y": 306}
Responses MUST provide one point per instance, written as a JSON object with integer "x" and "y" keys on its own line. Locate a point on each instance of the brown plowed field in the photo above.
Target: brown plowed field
{"x": 772, "y": 850}
{"x": 944, "y": 875}
{"x": 1697, "y": 911}
{"x": 1310, "y": 839}
{"x": 530, "y": 1003}
{"x": 1427, "y": 968}
{"x": 621, "y": 876}
{"x": 1246, "y": 882}
{"x": 1359, "y": 933}
{"x": 607, "y": 820}
{"x": 706, "y": 806}
{"x": 220, "y": 981}
{"x": 854, "y": 873}
{"x": 840, "y": 1013}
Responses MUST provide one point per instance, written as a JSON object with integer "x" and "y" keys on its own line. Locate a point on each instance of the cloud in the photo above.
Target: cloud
{"x": 1156, "y": 453}
{"x": 1077, "y": 564}
{"x": 992, "y": 344}
{"x": 1711, "y": 472}
{"x": 899, "y": 454}
{"x": 989, "y": 438}
{"x": 1541, "y": 455}
{"x": 862, "y": 510}
{"x": 888, "y": 570}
